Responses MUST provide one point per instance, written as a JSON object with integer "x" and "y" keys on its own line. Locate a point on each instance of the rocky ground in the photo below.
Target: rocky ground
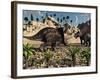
{"x": 62, "y": 56}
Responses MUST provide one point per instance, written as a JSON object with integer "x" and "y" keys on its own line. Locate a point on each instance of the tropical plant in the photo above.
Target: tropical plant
{"x": 37, "y": 19}
{"x": 26, "y": 23}
{"x": 87, "y": 55}
{"x": 46, "y": 14}
{"x": 74, "y": 50}
{"x": 29, "y": 23}
{"x": 71, "y": 21}
{"x": 58, "y": 19}
{"x": 28, "y": 51}
{"x": 67, "y": 17}
{"x": 47, "y": 56}
{"x": 63, "y": 18}
{"x": 26, "y": 19}
{"x": 32, "y": 17}
{"x": 54, "y": 15}
{"x": 51, "y": 15}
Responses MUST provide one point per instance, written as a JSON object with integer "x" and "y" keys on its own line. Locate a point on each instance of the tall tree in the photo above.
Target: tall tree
{"x": 67, "y": 17}
{"x": 86, "y": 53}
{"x": 51, "y": 15}
{"x": 32, "y": 17}
{"x": 58, "y": 19}
{"x": 71, "y": 21}
{"x": 46, "y": 14}
{"x": 74, "y": 51}
{"x": 26, "y": 23}
{"x": 63, "y": 18}
{"x": 26, "y": 19}
{"x": 54, "y": 15}
{"x": 29, "y": 23}
{"x": 37, "y": 19}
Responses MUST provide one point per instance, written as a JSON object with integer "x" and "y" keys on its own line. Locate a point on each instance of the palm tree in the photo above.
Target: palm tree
{"x": 47, "y": 56}
{"x": 71, "y": 21}
{"x": 51, "y": 15}
{"x": 87, "y": 55}
{"x": 74, "y": 51}
{"x": 58, "y": 19}
{"x": 54, "y": 15}
{"x": 29, "y": 24}
{"x": 63, "y": 18}
{"x": 44, "y": 20}
{"x": 32, "y": 17}
{"x": 28, "y": 51}
{"x": 26, "y": 23}
{"x": 67, "y": 17}
{"x": 37, "y": 19}
{"x": 26, "y": 19}
{"x": 46, "y": 14}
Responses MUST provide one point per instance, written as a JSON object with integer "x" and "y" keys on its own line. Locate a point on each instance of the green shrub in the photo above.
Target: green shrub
{"x": 86, "y": 53}
{"x": 74, "y": 50}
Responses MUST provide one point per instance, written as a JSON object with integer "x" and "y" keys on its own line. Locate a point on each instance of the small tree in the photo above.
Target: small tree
{"x": 26, "y": 19}
{"x": 58, "y": 19}
{"x": 29, "y": 23}
{"x": 67, "y": 17}
{"x": 87, "y": 55}
{"x": 47, "y": 56}
{"x": 28, "y": 51}
{"x": 74, "y": 51}
{"x": 63, "y": 18}
{"x": 51, "y": 15}
{"x": 54, "y": 15}
{"x": 71, "y": 21}
{"x": 26, "y": 23}
{"x": 32, "y": 17}
{"x": 37, "y": 19}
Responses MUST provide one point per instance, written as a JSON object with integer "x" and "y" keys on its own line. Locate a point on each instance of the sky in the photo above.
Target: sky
{"x": 77, "y": 18}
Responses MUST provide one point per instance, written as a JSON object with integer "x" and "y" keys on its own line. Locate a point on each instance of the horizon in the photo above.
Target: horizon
{"x": 77, "y": 18}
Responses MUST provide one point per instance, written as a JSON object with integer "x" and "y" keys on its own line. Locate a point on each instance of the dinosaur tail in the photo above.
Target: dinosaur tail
{"x": 28, "y": 37}
{"x": 34, "y": 37}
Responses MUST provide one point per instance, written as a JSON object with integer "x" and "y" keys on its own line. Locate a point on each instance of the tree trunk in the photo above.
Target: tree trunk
{"x": 74, "y": 60}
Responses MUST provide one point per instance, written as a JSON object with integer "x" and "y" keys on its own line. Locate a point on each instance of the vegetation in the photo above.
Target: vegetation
{"x": 69, "y": 56}
{"x": 28, "y": 51}
{"x": 86, "y": 54}
{"x": 74, "y": 51}
{"x": 32, "y": 17}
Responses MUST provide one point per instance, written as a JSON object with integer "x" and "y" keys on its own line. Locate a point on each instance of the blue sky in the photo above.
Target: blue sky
{"x": 76, "y": 18}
